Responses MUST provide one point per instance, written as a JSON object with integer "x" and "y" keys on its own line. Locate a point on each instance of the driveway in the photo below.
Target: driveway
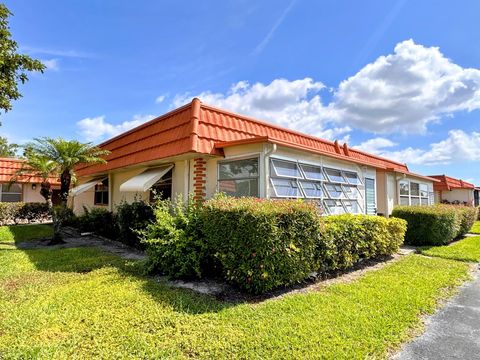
{"x": 453, "y": 332}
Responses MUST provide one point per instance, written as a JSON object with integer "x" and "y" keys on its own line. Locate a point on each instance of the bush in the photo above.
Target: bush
{"x": 348, "y": 238}
{"x": 262, "y": 244}
{"x": 100, "y": 221}
{"x": 19, "y": 212}
{"x": 174, "y": 241}
{"x": 434, "y": 225}
{"x": 131, "y": 219}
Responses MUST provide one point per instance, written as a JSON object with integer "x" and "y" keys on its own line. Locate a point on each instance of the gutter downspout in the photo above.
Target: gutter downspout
{"x": 266, "y": 162}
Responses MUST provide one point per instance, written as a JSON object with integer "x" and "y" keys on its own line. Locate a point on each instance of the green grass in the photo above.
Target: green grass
{"x": 475, "y": 228}
{"x": 85, "y": 303}
{"x": 467, "y": 249}
{"x": 21, "y": 233}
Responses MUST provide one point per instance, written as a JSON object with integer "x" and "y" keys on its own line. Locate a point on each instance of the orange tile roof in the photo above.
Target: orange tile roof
{"x": 8, "y": 168}
{"x": 203, "y": 129}
{"x": 449, "y": 183}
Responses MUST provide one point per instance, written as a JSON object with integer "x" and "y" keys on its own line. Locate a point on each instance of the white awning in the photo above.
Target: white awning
{"x": 144, "y": 181}
{"x": 77, "y": 190}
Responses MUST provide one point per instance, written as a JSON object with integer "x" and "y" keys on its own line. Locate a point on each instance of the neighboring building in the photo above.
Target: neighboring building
{"x": 198, "y": 149}
{"x": 454, "y": 191}
{"x": 26, "y": 188}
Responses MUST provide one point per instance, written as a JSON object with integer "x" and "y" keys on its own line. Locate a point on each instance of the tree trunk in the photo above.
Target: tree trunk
{"x": 47, "y": 192}
{"x": 59, "y": 213}
{"x": 65, "y": 180}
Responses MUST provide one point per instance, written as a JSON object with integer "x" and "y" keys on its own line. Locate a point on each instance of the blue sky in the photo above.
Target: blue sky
{"x": 398, "y": 78}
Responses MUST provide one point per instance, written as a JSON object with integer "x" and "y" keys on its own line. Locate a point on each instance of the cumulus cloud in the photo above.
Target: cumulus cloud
{"x": 96, "y": 128}
{"x": 406, "y": 90}
{"x": 458, "y": 146}
{"x": 294, "y": 104}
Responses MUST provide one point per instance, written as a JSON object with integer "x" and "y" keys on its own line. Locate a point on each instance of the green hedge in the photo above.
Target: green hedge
{"x": 349, "y": 238}
{"x": 100, "y": 221}
{"x": 435, "y": 225}
{"x": 20, "y": 212}
{"x": 132, "y": 218}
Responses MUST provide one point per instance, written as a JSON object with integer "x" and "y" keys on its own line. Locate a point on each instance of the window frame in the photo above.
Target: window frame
{"x": 301, "y": 165}
{"x": 316, "y": 183}
{"x": 325, "y": 169}
{"x": 417, "y": 198}
{"x": 277, "y": 175}
{"x": 300, "y": 190}
{"x": 10, "y": 192}
{"x": 103, "y": 191}
{"x": 240, "y": 158}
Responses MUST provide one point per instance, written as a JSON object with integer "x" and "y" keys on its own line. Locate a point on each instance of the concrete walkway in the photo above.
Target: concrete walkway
{"x": 453, "y": 332}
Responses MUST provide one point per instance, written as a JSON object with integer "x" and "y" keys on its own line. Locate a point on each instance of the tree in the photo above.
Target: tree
{"x": 6, "y": 149}
{"x": 66, "y": 155}
{"x": 13, "y": 66}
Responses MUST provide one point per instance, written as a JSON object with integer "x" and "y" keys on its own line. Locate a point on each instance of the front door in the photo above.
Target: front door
{"x": 370, "y": 204}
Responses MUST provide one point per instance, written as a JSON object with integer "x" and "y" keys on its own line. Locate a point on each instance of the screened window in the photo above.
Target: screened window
{"x": 334, "y": 191}
{"x": 286, "y": 187}
{"x": 101, "y": 193}
{"x": 312, "y": 189}
{"x": 352, "y": 178}
{"x": 333, "y": 207}
{"x": 10, "y": 192}
{"x": 238, "y": 177}
{"x": 335, "y": 175}
{"x": 286, "y": 168}
{"x": 404, "y": 200}
{"x": 312, "y": 172}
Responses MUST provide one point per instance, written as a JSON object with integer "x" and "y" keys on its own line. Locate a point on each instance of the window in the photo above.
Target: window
{"x": 334, "y": 207}
{"x": 10, "y": 192}
{"x": 286, "y": 187}
{"x": 414, "y": 189}
{"x": 335, "y": 175}
{"x": 352, "y": 192}
{"x": 413, "y": 193}
{"x": 312, "y": 189}
{"x": 238, "y": 177}
{"x": 334, "y": 191}
{"x": 312, "y": 172}
{"x": 101, "y": 193}
{"x": 286, "y": 169}
{"x": 162, "y": 189}
{"x": 352, "y": 207}
{"x": 352, "y": 178}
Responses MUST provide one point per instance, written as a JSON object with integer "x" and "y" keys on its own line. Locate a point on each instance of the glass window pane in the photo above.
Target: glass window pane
{"x": 11, "y": 197}
{"x": 335, "y": 175}
{"x": 239, "y": 188}
{"x": 424, "y": 201}
{"x": 286, "y": 168}
{"x": 352, "y": 207}
{"x": 312, "y": 172}
{"x": 238, "y": 169}
{"x": 352, "y": 178}
{"x": 404, "y": 200}
{"x": 404, "y": 189}
{"x": 333, "y": 207}
{"x": 423, "y": 190}
{"x": 312, "y": 189}
{"x": 352, "y": 192}
{"x": 12, "y": 188}
{"x": 415, "y": 201}
{"x": 414, "y": 189}
{"x": 286, "y": 187}
{"x": 334, "y": 191}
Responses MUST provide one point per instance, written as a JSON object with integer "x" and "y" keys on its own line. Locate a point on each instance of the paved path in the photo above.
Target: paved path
{"x": 453, "y": 332}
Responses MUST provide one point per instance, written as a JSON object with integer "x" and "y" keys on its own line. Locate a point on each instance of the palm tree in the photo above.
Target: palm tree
{"x": 66, "y": 155}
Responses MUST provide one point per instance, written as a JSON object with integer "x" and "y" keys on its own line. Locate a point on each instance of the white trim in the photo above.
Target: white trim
{"x": 272, "y": 161}
{"x": 286, "y": 196}
{"x": 145, "y": 180}
{"x": 315, "y": 183}
{"x": 332, "y": 181}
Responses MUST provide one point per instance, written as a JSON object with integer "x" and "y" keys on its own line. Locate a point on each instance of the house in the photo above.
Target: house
{"x": 454, "y": 191}
{"x": 26, "y": 187}
{"x": 200, "y": 150}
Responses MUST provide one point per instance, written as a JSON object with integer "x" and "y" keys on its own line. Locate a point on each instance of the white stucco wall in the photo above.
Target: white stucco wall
{"x": 461, "y": 195}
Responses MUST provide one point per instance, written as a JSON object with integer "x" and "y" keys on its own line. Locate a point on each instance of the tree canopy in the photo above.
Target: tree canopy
{"x": 7, "y": 149}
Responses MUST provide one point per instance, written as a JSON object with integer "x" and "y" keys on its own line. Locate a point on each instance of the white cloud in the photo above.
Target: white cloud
{"x": 457, "y": 147}
{"x": 407, "y": 90}
{"x": 294, "y": 104}
{"x": 160, "y": 99}
{"x": 96, "y": 128}
{"x": 52, "y": 64}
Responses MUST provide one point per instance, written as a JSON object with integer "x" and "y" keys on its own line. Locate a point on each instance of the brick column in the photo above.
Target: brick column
{"x": 199, "y": 179}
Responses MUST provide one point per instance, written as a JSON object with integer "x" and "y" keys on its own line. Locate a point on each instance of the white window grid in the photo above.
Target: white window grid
{"x": 424, "y": 200}
{"x": 346, "y": 198}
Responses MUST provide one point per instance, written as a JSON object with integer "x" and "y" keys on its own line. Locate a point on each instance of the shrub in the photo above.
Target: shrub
{"x": 174, "y": 240}
{"x": 100, "y": 221}
{"x": 262, "y": 244}
{"x": 467, "y": 216}
{"x": 131, "y": 219}
{"x": 19, "y": 212}
{"x": 348, "y": 238}
{"x": 429, "y": 225}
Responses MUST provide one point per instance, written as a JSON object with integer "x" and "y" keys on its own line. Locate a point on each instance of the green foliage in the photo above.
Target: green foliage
{"x": 262, "y": 244}
{"x": 19, "y": 212}
{"x": 348, "y": 238}
{"x": 100, "y": 221}
{"x": 13, "y": 66}
{"x": 7, "y": 150}
{"x": 475, "y": 228}
{"x": 435, "y": 225}
{"x": 467, "y": 249}
{"x": 132, "y": 218}
{"x": 174, "y": 241}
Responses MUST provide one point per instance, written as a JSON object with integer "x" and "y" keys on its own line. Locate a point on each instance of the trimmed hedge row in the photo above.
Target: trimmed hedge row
{"x": 260, "y": 245}
{"x": 435, "y": 225}
{"x": 20, "y": 212}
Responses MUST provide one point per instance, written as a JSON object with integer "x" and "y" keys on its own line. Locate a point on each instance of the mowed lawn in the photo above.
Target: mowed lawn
{"x": 476, "y": 228}
{"x": 85, "y": 303}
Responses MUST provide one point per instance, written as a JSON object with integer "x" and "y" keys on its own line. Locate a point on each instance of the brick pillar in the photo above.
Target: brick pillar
{"x": 199, "y": 179}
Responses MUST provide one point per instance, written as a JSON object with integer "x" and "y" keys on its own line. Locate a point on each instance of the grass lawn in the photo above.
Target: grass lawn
{"x": 20, "y": 233}
{"x": 476, "y": 228}
{"x": 85, "y": 303}
{"x": 467, "y": 249}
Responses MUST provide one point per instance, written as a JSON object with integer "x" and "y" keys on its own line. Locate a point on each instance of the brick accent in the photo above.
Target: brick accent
{"x": 199, "y": 179}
